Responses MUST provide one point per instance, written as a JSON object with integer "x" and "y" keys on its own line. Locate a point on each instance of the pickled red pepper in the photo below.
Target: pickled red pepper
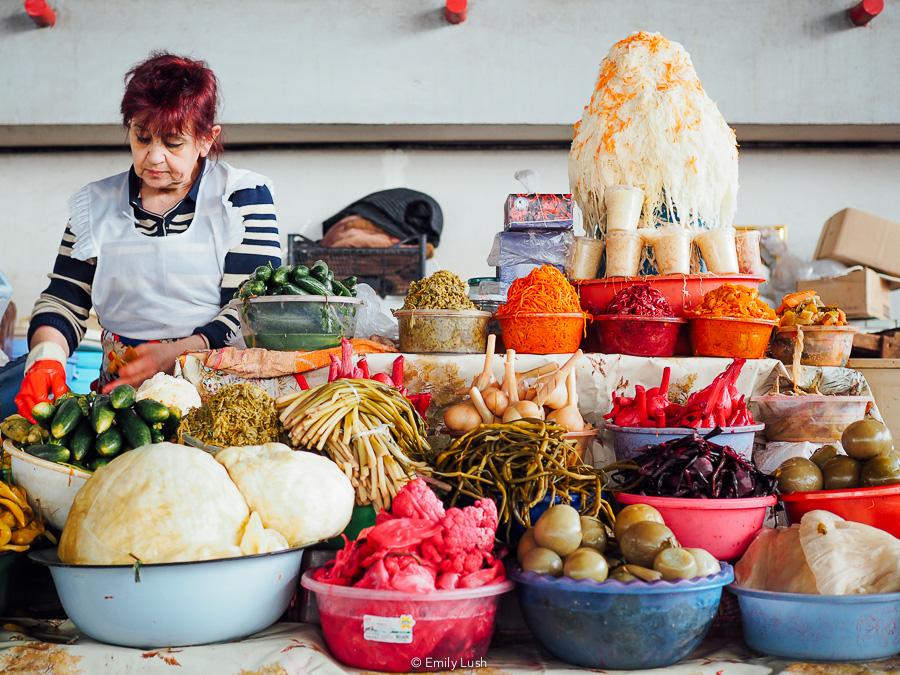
{"x": 343, "y": 368}
{"x": 718, "y": 405}
{"x": 640, "y": 300}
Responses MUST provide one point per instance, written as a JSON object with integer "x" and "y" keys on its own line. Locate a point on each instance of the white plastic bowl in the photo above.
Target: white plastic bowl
{"x": 51, "y": 487}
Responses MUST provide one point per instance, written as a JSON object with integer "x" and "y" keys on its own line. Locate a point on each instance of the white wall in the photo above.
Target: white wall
{"x": 522, "y": 63}
{"x": 799, "y": 188}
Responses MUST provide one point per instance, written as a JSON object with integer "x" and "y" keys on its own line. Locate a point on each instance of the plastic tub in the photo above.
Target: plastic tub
{"x": 542, "y": 333}
{"x": 811, "y": 417}
{"x": 633, "y": 335}
{"x": 822, "y": 345}
{"x": 393, "y": 631}
{"x": 623, "y": 253}
{"x": 724, "y": 527}
{"x": 875, "y": 506}
{"x": 748, "y": 253}
{"x": 629, "y": 441}
{"x": 681, "y": 290}
{"x": 175, "y": 604}
{"x": 51, "y": 487}
{"x": 730, "y": 337}
{"x": 442, "y": 331}
{"x": 619, "y": 626}
{"x": 820, "y": 627}
{"x": 298, "y": 322}
{"x": 719, "y": 250}
{"x": 585, "y": 260}
{"x": 623, "y": 207}
{"x": 672, "y": 250}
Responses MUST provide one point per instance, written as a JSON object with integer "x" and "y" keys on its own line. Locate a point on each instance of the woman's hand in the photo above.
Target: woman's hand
{"x": 153, "y": 358}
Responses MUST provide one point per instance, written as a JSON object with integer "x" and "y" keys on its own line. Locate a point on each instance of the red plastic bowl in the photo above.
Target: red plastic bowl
{"x": 724, "y": 527}
{"x": 875, "y": 506}
{"x": 681, "y": 290}
{"x": 633, "y": 335}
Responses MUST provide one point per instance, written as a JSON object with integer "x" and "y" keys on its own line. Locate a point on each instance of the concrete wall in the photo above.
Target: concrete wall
{"x": 799, "y": 188}
{"x": 518, "y": 68}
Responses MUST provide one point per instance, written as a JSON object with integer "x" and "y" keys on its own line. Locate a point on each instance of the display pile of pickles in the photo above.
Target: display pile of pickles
{"x": 317, "y": 279}
{"x": 88, "y": 431}
{"x": 870, "y": 461}
{"x": 565, "y": 543}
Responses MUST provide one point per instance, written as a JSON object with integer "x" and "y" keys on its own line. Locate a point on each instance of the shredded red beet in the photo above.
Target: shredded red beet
{"x": 640, "y": 300}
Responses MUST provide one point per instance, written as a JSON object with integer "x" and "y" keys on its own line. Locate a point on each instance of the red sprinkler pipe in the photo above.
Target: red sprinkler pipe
{"x": 40, "y": 12}
{"x": 455, "y": 11}
{"x": 865, "y": 11}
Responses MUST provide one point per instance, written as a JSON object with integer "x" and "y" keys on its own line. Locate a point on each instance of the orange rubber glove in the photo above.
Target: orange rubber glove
{"x": 45, "y": 375}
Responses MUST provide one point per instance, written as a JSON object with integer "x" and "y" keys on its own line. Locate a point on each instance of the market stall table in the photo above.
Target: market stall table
{"x": 299, "y": 648}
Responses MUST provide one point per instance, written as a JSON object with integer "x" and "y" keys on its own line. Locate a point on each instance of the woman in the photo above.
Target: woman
{"x": 158, "y": 250}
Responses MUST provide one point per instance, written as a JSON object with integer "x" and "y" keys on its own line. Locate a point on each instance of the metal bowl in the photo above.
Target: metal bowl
{"x": 175, "y": 604}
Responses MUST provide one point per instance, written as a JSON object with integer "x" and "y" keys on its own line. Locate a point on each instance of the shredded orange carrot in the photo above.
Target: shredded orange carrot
{"x": 733, "y": 301}
{"x": 545, "y": 289}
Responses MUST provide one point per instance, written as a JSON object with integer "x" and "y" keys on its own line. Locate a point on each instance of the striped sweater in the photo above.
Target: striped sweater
{"x": 66, "y": 302}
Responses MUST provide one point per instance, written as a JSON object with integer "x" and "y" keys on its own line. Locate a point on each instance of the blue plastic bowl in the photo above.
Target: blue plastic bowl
{"x": 620, "y": 626}
{"x": 628, "y": 442}
{"x": 821, "y": 627}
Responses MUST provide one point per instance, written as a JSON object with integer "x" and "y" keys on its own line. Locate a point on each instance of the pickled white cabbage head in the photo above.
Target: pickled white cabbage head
{"x": 170, "y": 391}
{"x": 304, "y": 496}
{"x": 159, "y": 503}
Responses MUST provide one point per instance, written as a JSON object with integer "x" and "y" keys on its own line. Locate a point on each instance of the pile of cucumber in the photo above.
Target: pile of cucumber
{"x": 89, "y": 431}
{"x": 295, "y": 280}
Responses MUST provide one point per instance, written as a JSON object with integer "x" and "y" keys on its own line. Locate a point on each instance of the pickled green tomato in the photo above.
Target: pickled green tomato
{"x": 635, "y": 513}
{"x": 559, "y": 529}
{"x": 643, "y": 541}
{"x": 542, "y": 561}
{"x": 526, "y": 543}
{"x": 593, "y": 533}
{"x": 798, "y": 474}
{"x": 866, "y": 439}
{"x": 675, "y": 563}
{"x": 841, "y": 473}
{"x": 586, "y": 563}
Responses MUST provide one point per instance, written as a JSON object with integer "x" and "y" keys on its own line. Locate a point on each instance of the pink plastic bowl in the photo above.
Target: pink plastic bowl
{"x": 724, "y": 527}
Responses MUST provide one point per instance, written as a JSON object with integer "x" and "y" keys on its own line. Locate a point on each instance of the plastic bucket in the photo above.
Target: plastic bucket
{"x": 724, "y": 527}
{"x": 634, "y": 335}
{"x": 543, "y": 333}
{"x": 821, "y": 627}
{"x": 394, "y": 631}
{"x": 875, "y": 506}
{"x": 822, "y": 345}
{"x": 728, "y": 337}
{"x": 629, "y": 441}
{"x": 681, "y": 290}
{"x": 619, "y": 626}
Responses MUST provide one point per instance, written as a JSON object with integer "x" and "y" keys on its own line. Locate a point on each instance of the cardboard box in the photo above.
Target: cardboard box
{"x": 541, "y": 210}
{"x": 855, "y": 237}
{"x": 862, "y": 293}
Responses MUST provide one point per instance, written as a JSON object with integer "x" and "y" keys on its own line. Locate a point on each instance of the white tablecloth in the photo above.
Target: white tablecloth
{"x": 291, "y": 648}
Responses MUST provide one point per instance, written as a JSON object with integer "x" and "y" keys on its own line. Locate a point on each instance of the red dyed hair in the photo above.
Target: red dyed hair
{"x": 171, "y": 94}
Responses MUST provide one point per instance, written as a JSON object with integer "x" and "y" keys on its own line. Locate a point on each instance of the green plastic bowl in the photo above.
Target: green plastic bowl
{"x": 298, "y": 322}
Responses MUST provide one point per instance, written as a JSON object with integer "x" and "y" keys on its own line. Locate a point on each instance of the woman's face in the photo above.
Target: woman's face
{"x": 167, "y": 162}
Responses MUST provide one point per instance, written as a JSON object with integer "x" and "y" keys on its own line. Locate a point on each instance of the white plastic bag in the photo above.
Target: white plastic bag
{"x": 374, "y": 316}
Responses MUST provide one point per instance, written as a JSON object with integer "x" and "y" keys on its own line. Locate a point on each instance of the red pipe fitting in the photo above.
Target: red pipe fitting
{"x": 865, "y": 11}
{"x": 455, "y": 11}
{"x": 40, "y": 12}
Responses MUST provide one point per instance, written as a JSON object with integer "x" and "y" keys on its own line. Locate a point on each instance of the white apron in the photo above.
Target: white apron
{"x": 155, "y": 288}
